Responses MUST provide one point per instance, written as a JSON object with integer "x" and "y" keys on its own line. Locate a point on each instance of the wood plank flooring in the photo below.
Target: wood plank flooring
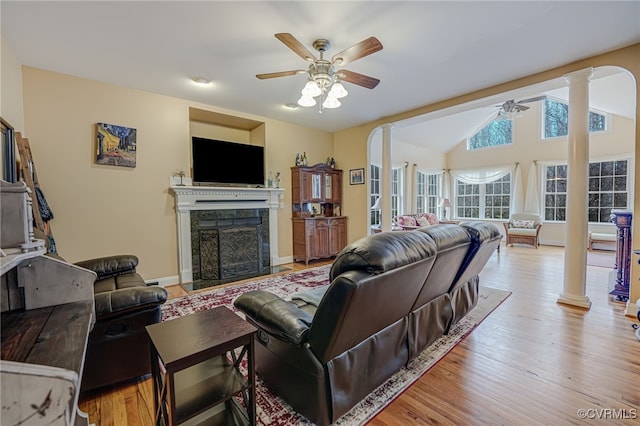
{"x": 532, "y": 361}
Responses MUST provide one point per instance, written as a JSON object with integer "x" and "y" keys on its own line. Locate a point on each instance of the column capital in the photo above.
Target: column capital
{"x": 583, "y": 74}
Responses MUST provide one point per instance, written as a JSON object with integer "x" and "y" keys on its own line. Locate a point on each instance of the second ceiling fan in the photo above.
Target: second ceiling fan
{"x": 510, "y": 108}
{"x": 324, "y": 76}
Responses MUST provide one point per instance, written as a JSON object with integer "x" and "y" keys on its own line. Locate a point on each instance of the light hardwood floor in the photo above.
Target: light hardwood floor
{"x": 532, "y": 361}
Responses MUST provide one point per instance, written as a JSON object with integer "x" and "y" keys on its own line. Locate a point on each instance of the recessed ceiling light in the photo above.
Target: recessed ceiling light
{"x": 200, "y": 80}
{"x": 291, "y": 105}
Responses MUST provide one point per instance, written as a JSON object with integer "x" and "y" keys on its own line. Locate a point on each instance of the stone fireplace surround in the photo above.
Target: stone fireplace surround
{"x": 210, "y": 198}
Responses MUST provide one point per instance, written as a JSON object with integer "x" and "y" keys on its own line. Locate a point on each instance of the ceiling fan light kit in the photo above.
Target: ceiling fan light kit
{"x": 325, "y": 81}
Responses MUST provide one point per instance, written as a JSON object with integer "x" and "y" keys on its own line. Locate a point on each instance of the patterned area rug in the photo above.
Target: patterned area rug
{"x": 273, "y": 411}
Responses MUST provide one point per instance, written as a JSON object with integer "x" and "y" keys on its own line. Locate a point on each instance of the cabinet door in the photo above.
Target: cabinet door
{"x": 305, "y": 186}
{"x": 336, "y": 187}
{"x": 316, "y": 186}
{"x": 337, "y": 235}
{"x": 321, "y": 239}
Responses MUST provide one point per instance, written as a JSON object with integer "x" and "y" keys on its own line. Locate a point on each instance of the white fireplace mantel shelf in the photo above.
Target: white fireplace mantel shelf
{"x": 188, "y": 198}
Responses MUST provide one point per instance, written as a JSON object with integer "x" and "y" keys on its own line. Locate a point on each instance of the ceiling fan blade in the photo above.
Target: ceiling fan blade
{"x": 292, "y": 43}
{"x": 520, "y": 108}
{"x": 357, "y": 51}
{"x": 359, "y": 79}
{"x": 279, "y": 74}
{"x": 538, "y": 98}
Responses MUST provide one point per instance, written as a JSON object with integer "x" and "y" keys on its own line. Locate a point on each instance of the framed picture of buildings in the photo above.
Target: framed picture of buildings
{"x": 116, "y": 145}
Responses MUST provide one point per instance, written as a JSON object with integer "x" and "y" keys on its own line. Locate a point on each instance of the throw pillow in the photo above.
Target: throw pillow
{"x": 406, "y": 221}
{"x": 432, "y": 218}
{"x": 422, "y": 221}
{"x": 526, "y": 224}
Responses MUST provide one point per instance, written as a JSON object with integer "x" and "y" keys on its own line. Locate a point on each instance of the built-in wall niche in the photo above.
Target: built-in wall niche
{"x": 214, "y": 125}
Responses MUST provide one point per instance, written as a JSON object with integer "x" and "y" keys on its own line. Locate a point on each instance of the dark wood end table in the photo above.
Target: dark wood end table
{"x": 197, "y": 373}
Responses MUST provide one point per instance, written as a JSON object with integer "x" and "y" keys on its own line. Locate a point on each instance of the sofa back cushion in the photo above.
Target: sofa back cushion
{"x": 383, "y": 252}
{"x": 374, "y": 282}
{"x": 452, "y": 244}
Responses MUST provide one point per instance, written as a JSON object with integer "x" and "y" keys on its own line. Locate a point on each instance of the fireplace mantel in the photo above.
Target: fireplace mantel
{"x": 188, "y": 198}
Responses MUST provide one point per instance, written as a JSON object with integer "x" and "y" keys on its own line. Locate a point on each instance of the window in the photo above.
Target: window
{"x": 497, "y": 198}
{"x": 375, "y": 194}
{"x": 427, "y": 193}
{"x": 496, "y": 133}
{"x": 484, "y": 201}
{"x": 608, "y": 189}
{"x": 396, "y": 192}
{"x": 556, "y": 120}
{"x": 7, "y": 152}
{"x": 555, "y": 198}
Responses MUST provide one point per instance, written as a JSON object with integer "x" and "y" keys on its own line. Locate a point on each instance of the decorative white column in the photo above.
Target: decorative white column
{"x": 414, "y": 189}
{"x": 385, "y": 177}
{"x": 575, "y": 259}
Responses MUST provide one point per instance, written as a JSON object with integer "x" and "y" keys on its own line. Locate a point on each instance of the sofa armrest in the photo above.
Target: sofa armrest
{"x": 275, "y": 315}
{"x": 112, "y": 303}
{"x": 110, "y": 266}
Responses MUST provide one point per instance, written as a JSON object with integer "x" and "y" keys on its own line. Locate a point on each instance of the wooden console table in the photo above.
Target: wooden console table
{"x": 193, "y": 378}
{"x": 43, "y": 354}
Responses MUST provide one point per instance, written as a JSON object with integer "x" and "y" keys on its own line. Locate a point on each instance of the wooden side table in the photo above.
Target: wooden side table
{"x": 196, "y": 371}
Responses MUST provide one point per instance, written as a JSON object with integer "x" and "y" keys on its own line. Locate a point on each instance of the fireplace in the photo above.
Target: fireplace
{"x": 225, "y": 233}
{"x": 228, "y": 245}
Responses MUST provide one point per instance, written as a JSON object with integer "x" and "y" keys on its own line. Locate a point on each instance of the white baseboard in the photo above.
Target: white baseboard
{"x": 165, "y": 281}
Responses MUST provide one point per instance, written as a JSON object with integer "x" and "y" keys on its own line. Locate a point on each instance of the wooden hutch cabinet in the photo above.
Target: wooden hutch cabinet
{"x": 319, "y": 229}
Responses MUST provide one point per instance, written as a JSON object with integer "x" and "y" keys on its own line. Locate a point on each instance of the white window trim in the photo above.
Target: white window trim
{"x": 630, "y": 181}
{"x": 607, "y": 120}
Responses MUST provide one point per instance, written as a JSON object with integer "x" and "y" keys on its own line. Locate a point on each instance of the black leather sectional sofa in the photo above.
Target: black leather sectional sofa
{"x": 390, "y": 296}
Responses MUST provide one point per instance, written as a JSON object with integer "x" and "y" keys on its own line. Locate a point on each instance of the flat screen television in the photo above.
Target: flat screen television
{"x": 227, "y": 163}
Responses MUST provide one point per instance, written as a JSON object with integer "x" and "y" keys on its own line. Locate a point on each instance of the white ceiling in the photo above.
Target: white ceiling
{"x": 432, "y": 50}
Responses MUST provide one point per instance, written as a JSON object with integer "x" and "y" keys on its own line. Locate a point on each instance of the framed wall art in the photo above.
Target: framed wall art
{"x": 115, "y": 145}
{"x": 356, "y": 176}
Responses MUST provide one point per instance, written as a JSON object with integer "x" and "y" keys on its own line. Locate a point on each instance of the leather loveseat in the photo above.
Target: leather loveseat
{"x": 390, "y": 296}
{"x": 118, "y": 347}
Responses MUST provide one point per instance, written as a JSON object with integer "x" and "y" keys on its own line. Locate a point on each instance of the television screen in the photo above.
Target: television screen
{"x": 221, "y": 162}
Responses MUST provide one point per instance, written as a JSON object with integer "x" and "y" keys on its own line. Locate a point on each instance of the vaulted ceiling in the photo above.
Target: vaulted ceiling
{"x": 432, "y": 50}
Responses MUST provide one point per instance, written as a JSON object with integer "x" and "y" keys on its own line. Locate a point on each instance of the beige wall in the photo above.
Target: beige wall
{"x": 528, "y": 145}
{"x": 101, "y": 210}
{"x": 357, "y": 138}
{"x": 59, "y": 122}
{"x": 11, "y": 83}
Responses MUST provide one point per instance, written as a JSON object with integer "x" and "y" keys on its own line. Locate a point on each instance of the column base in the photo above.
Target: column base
{"x": 573, "y": 300}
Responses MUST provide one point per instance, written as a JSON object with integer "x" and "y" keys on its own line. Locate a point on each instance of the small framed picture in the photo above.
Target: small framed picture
{"x": 356, "y": 176}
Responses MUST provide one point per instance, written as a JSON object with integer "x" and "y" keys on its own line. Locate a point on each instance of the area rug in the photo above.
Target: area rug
{"x": 602, "y": 260}
{"x": 272, "y": 410}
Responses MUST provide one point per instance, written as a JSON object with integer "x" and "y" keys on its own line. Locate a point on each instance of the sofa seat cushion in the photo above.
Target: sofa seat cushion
{"x": 523, "y": 231}
{"x": 598, "y": 236}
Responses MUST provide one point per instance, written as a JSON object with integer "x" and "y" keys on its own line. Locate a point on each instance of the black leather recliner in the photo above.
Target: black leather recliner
{"x": 118, "y": 347}
{"x": 391, "y": 295}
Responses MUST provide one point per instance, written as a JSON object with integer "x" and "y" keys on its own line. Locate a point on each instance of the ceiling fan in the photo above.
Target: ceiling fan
{"x": 324, "y": 77}
{"x": 511, "y": 107}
